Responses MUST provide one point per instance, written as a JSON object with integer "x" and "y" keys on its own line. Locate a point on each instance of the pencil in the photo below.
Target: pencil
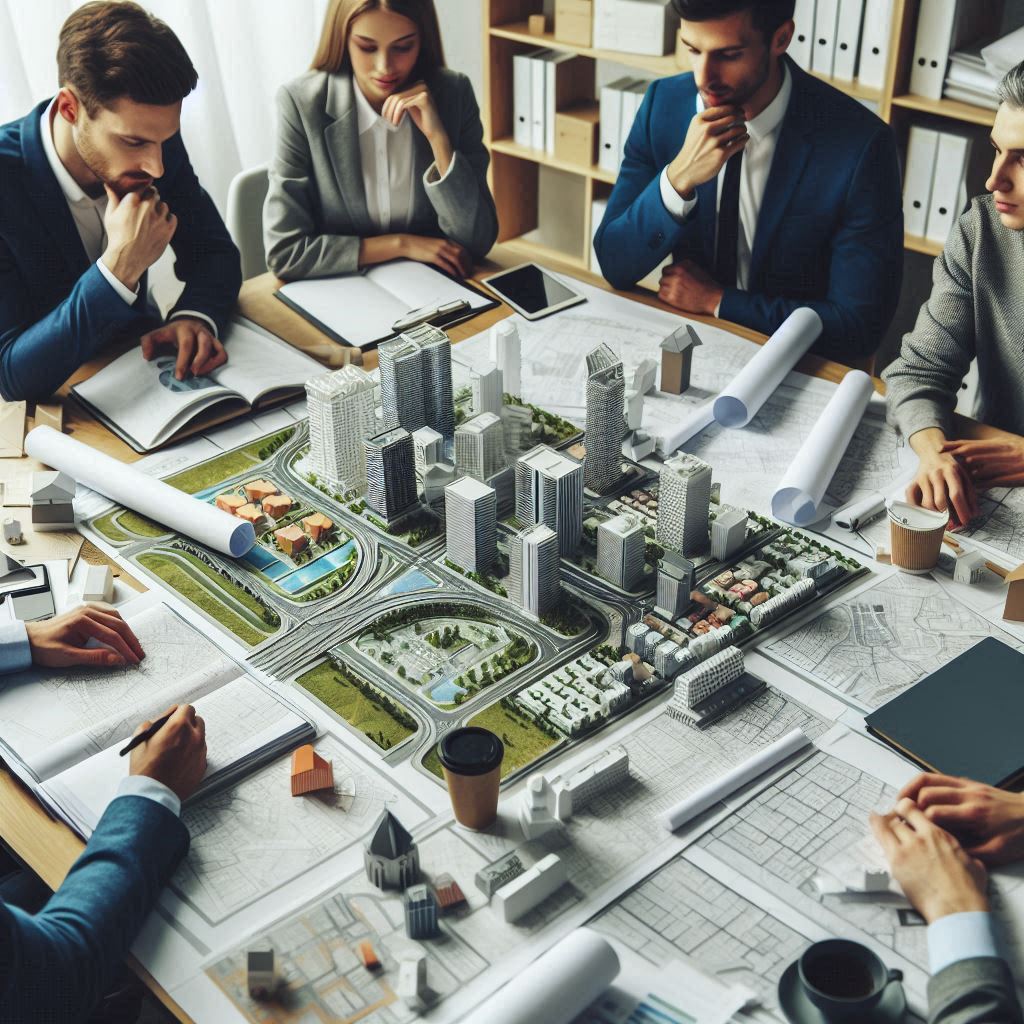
{"x": 145, "y": 735}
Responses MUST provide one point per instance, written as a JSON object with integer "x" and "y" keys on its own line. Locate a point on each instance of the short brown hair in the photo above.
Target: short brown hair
{"x": 109, "y": 51}
{"x": 332, "y": 50}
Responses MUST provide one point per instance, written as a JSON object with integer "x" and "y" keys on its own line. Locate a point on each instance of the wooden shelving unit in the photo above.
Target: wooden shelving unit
{"x": 516, "y": 171}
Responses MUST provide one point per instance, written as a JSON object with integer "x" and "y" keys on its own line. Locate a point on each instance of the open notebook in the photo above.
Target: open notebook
{"x": 144, "y": 405}
{"x": 61, "y": 729}
{"x": 359, "y": 309}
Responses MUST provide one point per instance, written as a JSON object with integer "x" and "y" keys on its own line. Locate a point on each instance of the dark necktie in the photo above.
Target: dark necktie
{"x": 729, "y": 223}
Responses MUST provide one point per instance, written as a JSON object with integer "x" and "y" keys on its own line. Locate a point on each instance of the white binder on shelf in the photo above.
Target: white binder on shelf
{"x": 851, "y": 16}
{"x": 521, "y": 106}
{"x": 874, "y": 43}
{"x": 917, "y": 178}
{"x": 605, "y": 22}
{"x": 826, "y": 19}
{"x": 538, "y": 83}
{"x": 803, "y": 37}
{"x": 949, "y": 188}
{"x": 611, "y": 117}
{"x": 935, "y": 21}
{"x": 632, "y": 97}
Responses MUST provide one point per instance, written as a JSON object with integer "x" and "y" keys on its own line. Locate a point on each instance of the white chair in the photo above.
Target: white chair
{"x": 246, "y": 193}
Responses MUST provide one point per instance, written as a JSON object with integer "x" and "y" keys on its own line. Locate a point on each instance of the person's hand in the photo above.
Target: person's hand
{"x": 944, "y": 485}
{"x": 989, "y": 822}
{"x": 199, "y": 352}
{"x": 448, "y": 256}
{"x": 714, "y": 135}
{"x": 417, "y": 102}
{"x": 990, "y": 463}
{"x": 176, "y": 754}
{"x": 63, "y": 640}
{"x": 935, "y": 872}
{"x": 690, "y": 287}
{"x": 139, "y": 227}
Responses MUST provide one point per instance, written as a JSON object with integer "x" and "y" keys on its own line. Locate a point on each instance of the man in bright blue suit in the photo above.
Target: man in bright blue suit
{"x": 58, "y": 959}
{"x": 768, "y": 188}
{"x": 94, "y": 185}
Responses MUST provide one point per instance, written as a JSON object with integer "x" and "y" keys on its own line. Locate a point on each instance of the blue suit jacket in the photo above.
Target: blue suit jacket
{"x": 830, "y": 230}
{"x": 55, "y": 965}
{"x": 56, "y": 309}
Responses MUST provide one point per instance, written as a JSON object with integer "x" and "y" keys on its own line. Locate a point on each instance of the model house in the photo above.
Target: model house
{"x": 230, "y": 502}
{"x": 420, "y": 912}
{"x": 98, "y": 584}
{"x": 291, "y": 540}
{"x": 276, "y": 505}
{"x": 12, "y": 532}
{"x": 251, "y": 513}
{"x": 317, "y": 526}
{"x": 1014, "y": 607}
{"x": 391, "y": 858}
{"x": 310, "y": 771}
{"x": 257, "y": 490}
{"x": 52, "y": 496}
{"x": 677, "y": 359}
{"x": 449, "y": 894}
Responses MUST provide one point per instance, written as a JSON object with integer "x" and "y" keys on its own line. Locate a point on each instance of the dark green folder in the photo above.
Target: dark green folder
{"x": 966, "y": 718}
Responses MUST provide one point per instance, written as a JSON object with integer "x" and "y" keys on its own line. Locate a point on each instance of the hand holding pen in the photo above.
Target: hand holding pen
{"x": 171, "y": 750}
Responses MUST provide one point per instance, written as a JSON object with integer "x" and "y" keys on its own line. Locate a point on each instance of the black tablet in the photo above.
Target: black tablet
{"x": 531, "y": 291}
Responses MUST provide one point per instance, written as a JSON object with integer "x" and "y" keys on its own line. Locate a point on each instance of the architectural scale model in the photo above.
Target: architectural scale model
{"x": 606, "y": 393}
{"x": 416, "y": 381}
{"x": 310, "y": 772}
{"x": 261, "y": 977}
{"x": 12, "y": 531}
{"x": 98, "y": 584}
{"x": 420, "y": 912}
{"x": 517, "y": 898}
{"x": 506, "y": 354}
{"x": 341, "y": 413}
{"x": 412, "y": 983}
{"x": 537, "y": 810}
{"x": 1013, "y": 610}
{"x": 488, "y": 390}
{"x": 52, "y": 495}
{"x": 677, "y": 359}
{"x": 391, "y": 858}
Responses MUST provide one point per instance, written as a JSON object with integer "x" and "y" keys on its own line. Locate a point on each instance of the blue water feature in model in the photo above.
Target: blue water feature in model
{"x": 409, "y": 582}
{"x": 317, "y": 569}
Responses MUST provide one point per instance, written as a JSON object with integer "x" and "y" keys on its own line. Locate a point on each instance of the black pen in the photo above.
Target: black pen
{"x": 146, "y": 734}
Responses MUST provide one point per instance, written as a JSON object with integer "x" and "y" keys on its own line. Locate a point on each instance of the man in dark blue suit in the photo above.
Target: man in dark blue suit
{"x": 768, "y": 188}
{"x": 94, "y": 185}
{"x": 59, "y": 956}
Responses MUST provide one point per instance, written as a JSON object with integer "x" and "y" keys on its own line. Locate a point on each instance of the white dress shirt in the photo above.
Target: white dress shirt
{"x": 757, "y": 164}
{"x": 87, "y": 214}
{"x": 959, "y": 937}
{"x": 386, "y": 158}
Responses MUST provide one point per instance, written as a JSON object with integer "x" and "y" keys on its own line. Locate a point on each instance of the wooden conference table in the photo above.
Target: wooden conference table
{"x": 49, "y": 847}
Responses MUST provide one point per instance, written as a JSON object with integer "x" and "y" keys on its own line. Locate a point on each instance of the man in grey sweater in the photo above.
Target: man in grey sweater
{"x": 976, "y": 310}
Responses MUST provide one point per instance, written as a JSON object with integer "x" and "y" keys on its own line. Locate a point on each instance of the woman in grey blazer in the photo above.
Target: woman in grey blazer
{"x": 379, "y": 151}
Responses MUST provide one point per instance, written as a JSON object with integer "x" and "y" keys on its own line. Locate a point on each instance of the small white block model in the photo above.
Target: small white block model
{"x": 969, "y": 567}
{"x": 98, "y": 584}
{"x": 12, "y": 532}
{"x": 537, "y": 808}
{"x": 531, "y": 888}
{"x": 876, "y": 880}
{"x": 412, "y": 983}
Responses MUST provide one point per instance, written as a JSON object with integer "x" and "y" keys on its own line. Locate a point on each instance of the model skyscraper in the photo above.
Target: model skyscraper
{"x": 416, "y": 381}
{"x": 676, "y": 581}
{"x": 488, "y": 390}
{"x": 549, "y": 490}
{"x": 683, "y": 504}
{"x": 506, "y": 354}
{"x": 728, "y": 532}
{"x": 480, "y": 446}
{"x": 606, "y": 392}
{"x": 471, "y": 518}
{"x": 620, "y": 550}
{"x": 533, "y": 578}
{"x": 341, "y": 416}
{"x": 391, "y": 473}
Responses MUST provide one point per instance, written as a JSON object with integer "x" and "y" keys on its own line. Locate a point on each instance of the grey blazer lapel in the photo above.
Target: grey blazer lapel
{"x": 341, "y": 137}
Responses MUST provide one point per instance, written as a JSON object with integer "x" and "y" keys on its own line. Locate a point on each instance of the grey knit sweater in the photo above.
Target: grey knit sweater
{"x": 976, "y": 309}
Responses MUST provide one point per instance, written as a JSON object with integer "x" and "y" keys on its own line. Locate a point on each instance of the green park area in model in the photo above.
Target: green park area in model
{"x": 122, "y": 525}
{"x": 524, "y": 741}
{"x": 202, "y": 594}
{"x": 225, "y": 466}
{"x": 363, "y": 706}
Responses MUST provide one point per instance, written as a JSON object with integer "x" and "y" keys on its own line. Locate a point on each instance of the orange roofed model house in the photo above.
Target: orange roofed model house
{"x": 310, "y": 771}
{"x": 277, "y": 505}
{"x": 317, "y": 525}
{"x": 230, "y": 502}
{"x": 257, "y": 490}
{"x": 1014, "y": 607}
{"x": 291, "y": 540}
{"x": 250, "y": 513}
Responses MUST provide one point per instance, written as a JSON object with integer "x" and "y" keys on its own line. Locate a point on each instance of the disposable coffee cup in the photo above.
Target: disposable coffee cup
{"x": 915, "y": 536}
{"x": 471, "y": 759}
{"x": 844, "y": 979}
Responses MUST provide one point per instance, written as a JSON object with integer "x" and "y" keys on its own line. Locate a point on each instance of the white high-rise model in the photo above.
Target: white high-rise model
{"x": 620, "y": 550}
{"x": 728, "y": 532}
{"x": 341, "y": 416}
{"x": 428, "y": 447}
{"x": 676, "y": 580}
{"x": 549, "y": 490}
{"x": 534, "y": 569}
{"x": 416, "y": 381}
{"x": 683, "y": 504}
{"x": 506, "y": 354}
{"x": 472, "y": 524}
{"x": 488, "y": 390}
{"x": 480, "y": 446}
{"x": 606, "y": 391}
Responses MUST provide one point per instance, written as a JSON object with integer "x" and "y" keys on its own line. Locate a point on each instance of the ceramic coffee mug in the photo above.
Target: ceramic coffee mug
{"x": 844, "y": 979}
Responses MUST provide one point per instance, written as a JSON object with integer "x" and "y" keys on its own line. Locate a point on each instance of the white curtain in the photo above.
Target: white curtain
{"x": 242, "y": 49}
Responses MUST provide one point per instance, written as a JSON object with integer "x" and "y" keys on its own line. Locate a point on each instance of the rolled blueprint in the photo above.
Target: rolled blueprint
{"x": 737, "y": 405}
{"x": 695, "y": 422}
{"x": 714, "y": 792}
{"x": 557, "y": 987}
{"x": 133, "y": 489}
{"x": 859, "y": 513}
{"x": 798, "y": 497}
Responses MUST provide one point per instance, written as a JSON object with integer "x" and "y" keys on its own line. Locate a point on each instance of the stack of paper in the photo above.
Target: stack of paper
{"x": 970, "y": 80}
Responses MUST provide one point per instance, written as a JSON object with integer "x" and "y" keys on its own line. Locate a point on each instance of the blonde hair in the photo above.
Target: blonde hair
{"x": 332, "y": 50}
